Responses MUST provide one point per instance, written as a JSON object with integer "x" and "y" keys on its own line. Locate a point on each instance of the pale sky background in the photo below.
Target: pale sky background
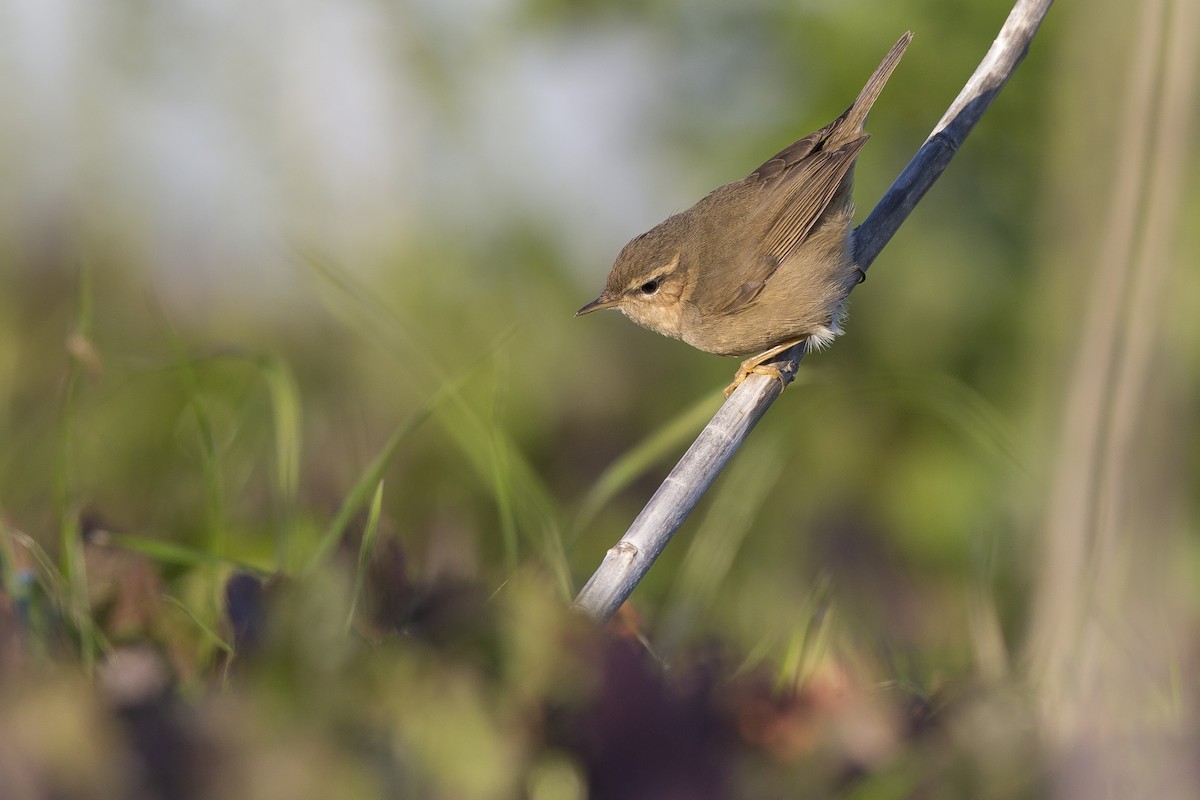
{"x": 203, "y": 136}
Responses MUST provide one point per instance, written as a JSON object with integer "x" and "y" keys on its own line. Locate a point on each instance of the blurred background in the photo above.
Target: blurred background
{"x": 304, "y": 455}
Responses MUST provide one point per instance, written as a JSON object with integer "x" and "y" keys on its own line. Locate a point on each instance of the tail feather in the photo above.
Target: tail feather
{"x": 852, "y": 124}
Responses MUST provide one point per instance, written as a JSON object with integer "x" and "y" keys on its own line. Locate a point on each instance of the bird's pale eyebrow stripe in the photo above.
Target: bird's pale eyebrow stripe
{"x": 657, "y": 275}
{"x": 670, "y": 267}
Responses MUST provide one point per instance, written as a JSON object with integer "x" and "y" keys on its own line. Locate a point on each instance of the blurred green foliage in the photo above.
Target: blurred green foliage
{"x": 286, "y": 341}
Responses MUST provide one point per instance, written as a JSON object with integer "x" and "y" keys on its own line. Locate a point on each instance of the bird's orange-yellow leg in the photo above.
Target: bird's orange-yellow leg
{"x": 755, "y": 364}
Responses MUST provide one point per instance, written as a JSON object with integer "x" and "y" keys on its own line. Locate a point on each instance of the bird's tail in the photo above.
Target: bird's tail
{"x": 857, "y": 113}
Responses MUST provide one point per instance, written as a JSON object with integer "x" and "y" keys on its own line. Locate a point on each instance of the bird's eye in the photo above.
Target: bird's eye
{"x": 649, "y": 287}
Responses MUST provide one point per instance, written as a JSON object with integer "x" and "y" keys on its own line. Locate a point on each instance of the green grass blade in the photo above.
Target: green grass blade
{"x": 958, "y": 405}
{"x": 728, "y": 521}
{"x": 367, "y": 481}
{"x": 365, "y": 551}
{"x": 60, "y": 593}
{"x": 74, "y": 572}
{"x": 809, "y": 642}
{"x": 638, "y": 460}
{"x": 177, "y": 554}
{"x": 286, "y": 416}
{"x": 185, "y": 368}
{"x": 214, "y": 638}
{"x": 518, "y": 490}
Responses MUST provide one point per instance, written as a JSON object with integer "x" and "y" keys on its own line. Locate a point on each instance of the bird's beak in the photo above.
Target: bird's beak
{"x": 605, "y": 300}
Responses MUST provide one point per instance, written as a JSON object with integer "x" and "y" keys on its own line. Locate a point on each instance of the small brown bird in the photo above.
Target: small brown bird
{"x": 760, "y": 264}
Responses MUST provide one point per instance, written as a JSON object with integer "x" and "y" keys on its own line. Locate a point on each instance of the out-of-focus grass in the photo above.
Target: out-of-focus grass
{"x": 366, "y": 552}
{"x": 638, "y": 460}
{"x": 316, "y": 535}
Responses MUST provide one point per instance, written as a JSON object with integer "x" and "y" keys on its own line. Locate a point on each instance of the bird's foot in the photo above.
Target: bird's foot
{"x": 755, "y": 366}
{"x": 758, "y": 369}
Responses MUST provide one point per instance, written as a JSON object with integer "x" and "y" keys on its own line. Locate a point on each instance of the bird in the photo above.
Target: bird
{"x": 761, "y": 264}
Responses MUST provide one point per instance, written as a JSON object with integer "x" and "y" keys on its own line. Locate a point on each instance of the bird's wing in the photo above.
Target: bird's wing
{"x": 768, "y": 174}
{"x": 803, "y": 194}
{"x": 800, "y": 182}
{"x": 753, "y": 279}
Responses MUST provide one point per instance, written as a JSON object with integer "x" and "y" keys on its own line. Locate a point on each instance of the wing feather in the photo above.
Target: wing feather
{"x": 808, "y": 193}
{"x": 808, "y": 181}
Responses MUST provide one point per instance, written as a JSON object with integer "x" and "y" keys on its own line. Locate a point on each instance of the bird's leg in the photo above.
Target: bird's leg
{"x": 755, "y": 364}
